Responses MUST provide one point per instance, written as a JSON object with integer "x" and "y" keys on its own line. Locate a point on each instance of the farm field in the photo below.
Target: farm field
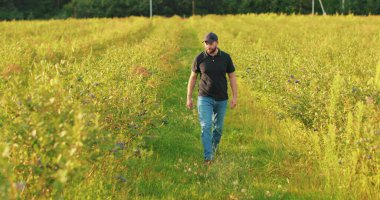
{"x": 96, "y": 108}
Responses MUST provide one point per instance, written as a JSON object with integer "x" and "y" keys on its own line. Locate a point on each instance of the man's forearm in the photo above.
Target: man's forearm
{"x": 190, "y": 87}
{"x": 233, "y": 85}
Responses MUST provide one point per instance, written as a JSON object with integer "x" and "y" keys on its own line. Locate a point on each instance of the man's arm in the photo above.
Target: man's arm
{"x": 233, "y": 84}
{"x": 190, "y": 88}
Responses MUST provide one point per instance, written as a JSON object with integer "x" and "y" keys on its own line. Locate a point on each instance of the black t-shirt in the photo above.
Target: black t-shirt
{"x": 213, "y": 69}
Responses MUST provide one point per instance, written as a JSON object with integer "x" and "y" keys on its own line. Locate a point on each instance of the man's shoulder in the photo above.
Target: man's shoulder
{"x": 200, "y": 55}
{"x": 224, "y": 53}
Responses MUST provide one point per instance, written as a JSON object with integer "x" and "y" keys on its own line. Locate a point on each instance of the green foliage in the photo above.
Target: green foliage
{"x": 310, "y": 71}
{"x": 79, "y": 96}
{"x": 44, "y": 9}
{"x": 77, "y": 101}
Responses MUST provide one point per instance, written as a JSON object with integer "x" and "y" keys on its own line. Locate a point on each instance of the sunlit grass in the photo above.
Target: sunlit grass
{"x": 100, "y": 111}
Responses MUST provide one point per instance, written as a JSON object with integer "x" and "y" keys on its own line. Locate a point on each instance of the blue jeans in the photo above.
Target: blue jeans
{"x": 211, "y": 115}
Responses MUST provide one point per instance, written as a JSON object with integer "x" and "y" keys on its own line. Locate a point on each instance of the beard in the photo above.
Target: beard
{"x": 211, "y": 51}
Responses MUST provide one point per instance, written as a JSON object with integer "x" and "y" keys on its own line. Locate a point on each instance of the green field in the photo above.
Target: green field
{"x": 96, "y": 108}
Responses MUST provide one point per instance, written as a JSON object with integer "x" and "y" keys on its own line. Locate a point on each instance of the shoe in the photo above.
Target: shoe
{"x": 207, "y": 162}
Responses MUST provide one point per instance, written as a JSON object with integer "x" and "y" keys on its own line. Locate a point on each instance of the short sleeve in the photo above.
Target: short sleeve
{"x": 230, "y": 65}
{"x": 194, "y": 66}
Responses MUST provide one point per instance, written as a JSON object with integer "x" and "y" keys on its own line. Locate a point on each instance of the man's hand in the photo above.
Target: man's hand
{"x": 233, "y": 102}
{"x": 189, "y": 103}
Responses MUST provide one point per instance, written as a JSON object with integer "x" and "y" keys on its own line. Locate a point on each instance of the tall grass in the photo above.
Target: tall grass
{"x": 77, "y": 98}
{"x": 72, "y": 111}
{"x": 308, "y": 69}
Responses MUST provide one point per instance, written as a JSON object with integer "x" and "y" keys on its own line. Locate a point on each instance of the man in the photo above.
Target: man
{"x": 212, "y": 64}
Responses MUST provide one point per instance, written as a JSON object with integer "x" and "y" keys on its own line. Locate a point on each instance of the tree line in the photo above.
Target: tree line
{"x": 46, "y": 9}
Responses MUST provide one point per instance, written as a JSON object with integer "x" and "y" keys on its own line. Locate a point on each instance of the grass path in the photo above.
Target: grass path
{"x": 252, "y": 160}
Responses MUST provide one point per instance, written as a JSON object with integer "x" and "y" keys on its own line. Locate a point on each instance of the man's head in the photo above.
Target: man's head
{"x": 211, "y": 42}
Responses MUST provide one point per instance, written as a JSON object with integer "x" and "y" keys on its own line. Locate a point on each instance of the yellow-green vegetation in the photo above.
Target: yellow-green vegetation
{"x": 66, "y": 121}
{"x": 319, "y": 72}
{"x": 96, "y": 109}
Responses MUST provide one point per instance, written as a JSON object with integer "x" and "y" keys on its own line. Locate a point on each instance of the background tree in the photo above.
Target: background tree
{"x": 44, "y": 9}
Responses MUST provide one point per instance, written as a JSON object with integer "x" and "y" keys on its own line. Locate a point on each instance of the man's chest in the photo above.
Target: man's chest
{"x": 216, "y": 65}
